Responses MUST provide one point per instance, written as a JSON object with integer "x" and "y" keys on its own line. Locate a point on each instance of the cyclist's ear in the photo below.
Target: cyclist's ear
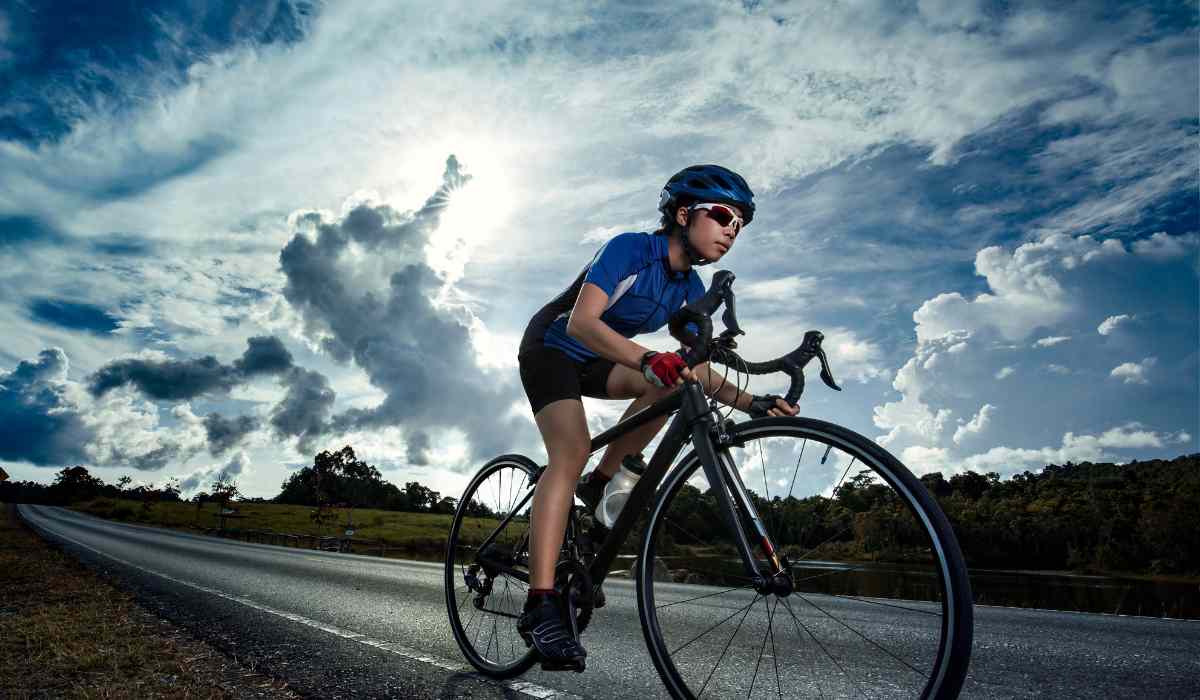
{"x": 681, "y": 216}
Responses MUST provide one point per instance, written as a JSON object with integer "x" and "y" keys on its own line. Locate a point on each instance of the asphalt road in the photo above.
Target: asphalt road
{"x": 341, "y": 625}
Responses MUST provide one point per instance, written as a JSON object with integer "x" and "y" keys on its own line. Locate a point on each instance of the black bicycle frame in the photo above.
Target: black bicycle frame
{"x": 694, "y": 422}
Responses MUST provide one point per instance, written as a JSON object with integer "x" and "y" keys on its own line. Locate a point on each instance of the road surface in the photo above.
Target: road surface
{"x": 342, "y": 625}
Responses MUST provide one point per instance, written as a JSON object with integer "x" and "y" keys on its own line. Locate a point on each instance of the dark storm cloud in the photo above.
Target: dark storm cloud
{"x": 67, "y": 58}
{"x": 225, "y": 433}
{"x": 302, "y": 413}
{"x": 37, "y": 422}
{"x": 420, "y": 355}
{"x": 73, "y": 315}
{"x": 418, "y": 448}
{"x": 182, "y": 380}
{"x": 304, "y": 410}
{"x": 264, "y": 354}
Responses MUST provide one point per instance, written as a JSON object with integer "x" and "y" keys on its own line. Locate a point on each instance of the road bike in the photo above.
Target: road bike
{"x": 783, "y": 555}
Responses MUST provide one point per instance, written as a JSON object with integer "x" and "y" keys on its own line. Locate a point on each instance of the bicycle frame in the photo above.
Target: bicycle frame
{"x": 693, "y": 422}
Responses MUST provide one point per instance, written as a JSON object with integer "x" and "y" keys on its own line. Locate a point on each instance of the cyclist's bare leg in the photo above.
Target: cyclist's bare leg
{"x": 563, "y": 425}
{"x": 625, "y": 383}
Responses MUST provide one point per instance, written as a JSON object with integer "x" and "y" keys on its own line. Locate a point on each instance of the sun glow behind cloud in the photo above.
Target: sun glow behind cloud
{"x": 476, "y": 212}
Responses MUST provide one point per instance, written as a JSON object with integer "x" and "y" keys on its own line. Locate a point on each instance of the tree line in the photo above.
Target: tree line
{"x": 1099, "y": 517}
{"x": 1136, "y": 517}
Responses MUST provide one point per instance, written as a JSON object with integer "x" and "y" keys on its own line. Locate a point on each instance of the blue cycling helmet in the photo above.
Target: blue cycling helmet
{"x": 708, "y": 183}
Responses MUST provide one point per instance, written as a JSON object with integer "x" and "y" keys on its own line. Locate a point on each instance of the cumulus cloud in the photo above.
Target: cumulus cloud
{"x": 304, "y": 410}
{"x": 47, "y": 419}
{"x": 1074, "y": 448}
{"x": 1134, "y": 372}
{"x": 976, "y": 425}
{"x": 1026, "y": 291}
{"x": 39, "y": 422}
{"x": 225, "y": 433}
{"x": 1110, "y": 324}
{"x": 367, "y": 295}
{"x": 180, "y": 380}
{"x": 1005, "y": 372}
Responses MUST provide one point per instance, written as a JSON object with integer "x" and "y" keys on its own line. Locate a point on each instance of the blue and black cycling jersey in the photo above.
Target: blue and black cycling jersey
{"x": 643, "y": 291}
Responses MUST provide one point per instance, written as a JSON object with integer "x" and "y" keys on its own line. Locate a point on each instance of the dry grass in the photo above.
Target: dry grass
{"x": 419, "y": 535}
{"x": 64, "y": 632}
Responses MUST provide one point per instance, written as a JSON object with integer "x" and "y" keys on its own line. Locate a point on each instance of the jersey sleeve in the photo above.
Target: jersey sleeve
{"x": 621, "y": 257}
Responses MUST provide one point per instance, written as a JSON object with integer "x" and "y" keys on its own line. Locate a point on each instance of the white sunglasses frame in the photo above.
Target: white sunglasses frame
{"x": 707, "y": 206}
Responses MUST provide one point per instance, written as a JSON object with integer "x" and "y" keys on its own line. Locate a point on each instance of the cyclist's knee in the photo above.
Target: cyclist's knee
{"x": 571, "y": 452}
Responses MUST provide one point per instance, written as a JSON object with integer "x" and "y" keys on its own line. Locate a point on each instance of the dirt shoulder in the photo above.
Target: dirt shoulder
{"x": 66, "y": 632}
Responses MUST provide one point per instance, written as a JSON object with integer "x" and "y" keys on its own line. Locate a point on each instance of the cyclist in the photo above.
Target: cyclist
{"x": 580, "y": 344}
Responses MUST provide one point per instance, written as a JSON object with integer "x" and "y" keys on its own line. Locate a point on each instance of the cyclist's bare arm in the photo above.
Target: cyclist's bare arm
{"x": 585, "y": 325}
{"x": 725, "y": 391}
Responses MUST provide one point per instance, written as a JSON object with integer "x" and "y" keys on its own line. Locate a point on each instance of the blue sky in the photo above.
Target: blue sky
{"x": 233, "y": 236}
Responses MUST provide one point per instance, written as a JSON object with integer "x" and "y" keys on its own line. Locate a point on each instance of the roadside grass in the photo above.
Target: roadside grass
{"x": 64, "y": 632}
{"x": 420, "y": 535}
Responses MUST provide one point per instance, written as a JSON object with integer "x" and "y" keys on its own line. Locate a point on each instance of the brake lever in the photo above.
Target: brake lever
{"x": 826, "y": 373}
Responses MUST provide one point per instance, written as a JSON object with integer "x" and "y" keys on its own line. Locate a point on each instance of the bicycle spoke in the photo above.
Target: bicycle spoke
{"x": 829, "y": 539}
{"x": 710, "y": 629}
{"x": 863, "y": 636}
{"x": 700, "y": 597}
{"x": 774, "y": 653}
{"x": 816, "y": 641}
{"x": 889, "y": 605}
{"x": 726, "y": 649}
{"x": 796, "y": 471}
{"x": 761, "y": 649}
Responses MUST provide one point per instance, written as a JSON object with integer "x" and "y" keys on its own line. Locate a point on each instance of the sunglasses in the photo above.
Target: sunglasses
{"x": 723, "y": 215}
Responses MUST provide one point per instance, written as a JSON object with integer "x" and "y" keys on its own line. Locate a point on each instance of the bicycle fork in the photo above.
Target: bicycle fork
{"x": 723, "y": 477}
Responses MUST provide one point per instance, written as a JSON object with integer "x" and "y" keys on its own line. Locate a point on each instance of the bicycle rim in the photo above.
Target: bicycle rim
{"x": 881, "y": 605}
{"x": 483, "y": 603}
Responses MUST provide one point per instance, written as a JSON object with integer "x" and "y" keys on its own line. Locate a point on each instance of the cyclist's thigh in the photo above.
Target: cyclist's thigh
{"x": 625, "y": 383}
{"x": 563, "y": 425}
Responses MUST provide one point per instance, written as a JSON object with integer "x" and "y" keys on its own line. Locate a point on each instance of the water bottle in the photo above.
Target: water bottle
{"x": 617, "y": 491}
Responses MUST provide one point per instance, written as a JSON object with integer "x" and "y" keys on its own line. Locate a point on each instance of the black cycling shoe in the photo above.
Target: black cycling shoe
{"x": 543, "y": 627}
{"x": 590, "y": 490}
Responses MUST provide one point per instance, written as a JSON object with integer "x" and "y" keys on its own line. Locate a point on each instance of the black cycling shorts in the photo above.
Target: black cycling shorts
{"x": 549, "y": 375}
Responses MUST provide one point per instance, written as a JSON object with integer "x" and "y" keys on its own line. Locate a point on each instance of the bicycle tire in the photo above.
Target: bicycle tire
{"x": 460, "y": 552}
{"x": 948, "y": 658}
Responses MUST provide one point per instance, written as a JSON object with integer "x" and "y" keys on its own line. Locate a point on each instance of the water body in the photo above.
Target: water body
{"x": 1177, "y": 598}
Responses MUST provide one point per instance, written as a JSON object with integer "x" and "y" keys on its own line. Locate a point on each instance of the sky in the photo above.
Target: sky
{"x": 233, "y": 235}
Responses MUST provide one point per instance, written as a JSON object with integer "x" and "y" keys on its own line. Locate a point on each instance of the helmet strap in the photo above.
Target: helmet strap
{"x": 693, "y": 254}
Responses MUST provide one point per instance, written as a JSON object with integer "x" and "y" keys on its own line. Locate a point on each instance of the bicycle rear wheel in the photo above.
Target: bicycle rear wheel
{"x": 880, "y": 604}
{"x": 485, "y": 548}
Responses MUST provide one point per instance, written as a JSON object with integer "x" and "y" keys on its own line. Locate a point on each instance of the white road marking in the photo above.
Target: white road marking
{"x": 526, "y": 687}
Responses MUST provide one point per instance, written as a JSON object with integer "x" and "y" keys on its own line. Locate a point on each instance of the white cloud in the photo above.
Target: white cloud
{"x": 1134, "y": 372}
{"x": 1162, "y": 246}
{"x": 1108, "y": 325}
{"x": 976, "y": 425}
{"x": 1074, "y": 448}
{"x": 1005, "y": 372}
{"x": 1051, "y": 341}
{"x": 787, "y": 288}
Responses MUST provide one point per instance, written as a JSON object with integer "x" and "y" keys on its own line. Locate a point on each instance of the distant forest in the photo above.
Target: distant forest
{"x": 1099, "y": 517}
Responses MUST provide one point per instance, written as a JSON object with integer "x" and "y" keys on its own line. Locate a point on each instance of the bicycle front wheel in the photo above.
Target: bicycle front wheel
{"x": 876, "y": 603}
{"x": 487, "y": 567}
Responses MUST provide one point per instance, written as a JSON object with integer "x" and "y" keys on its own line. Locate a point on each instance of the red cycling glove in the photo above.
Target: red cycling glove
{"x": 662, "y": 368}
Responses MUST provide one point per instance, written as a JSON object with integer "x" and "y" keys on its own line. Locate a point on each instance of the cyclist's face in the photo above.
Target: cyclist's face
{"x": 710, "y": 239}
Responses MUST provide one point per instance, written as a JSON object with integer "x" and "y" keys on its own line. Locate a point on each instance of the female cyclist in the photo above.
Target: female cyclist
{"x": 580, "y": 344}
